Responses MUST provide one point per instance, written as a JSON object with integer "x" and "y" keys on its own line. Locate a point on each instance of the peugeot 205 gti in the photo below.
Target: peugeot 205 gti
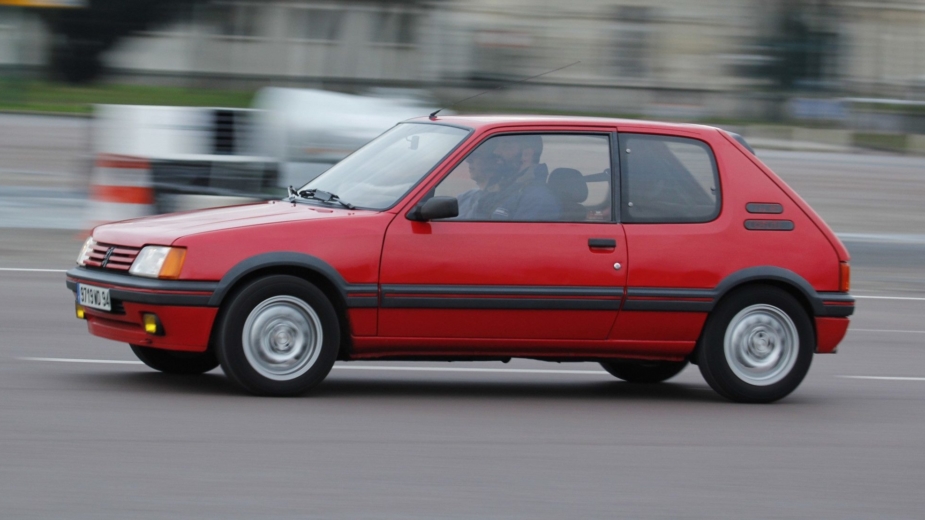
{"x": 641, "y": 246}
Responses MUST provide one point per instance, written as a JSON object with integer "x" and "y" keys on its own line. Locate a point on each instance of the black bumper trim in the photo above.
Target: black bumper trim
{"x": 358, "y": 295}
{"x": 137, "y": 282}
{"x": 836, "y": 305}
{"x": 133, "y": 289}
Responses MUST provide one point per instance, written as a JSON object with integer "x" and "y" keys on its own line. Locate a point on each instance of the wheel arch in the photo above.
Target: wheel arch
{"x": 785, "y": 279}
{"x": 300, "y": 265}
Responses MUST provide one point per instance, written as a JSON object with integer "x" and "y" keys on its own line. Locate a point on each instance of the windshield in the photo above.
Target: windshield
{"x": 377, "y": 175}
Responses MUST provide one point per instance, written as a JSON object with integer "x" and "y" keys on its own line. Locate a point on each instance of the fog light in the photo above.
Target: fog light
{"x": 79, "y": 310}
{"x": 152, "y": 324}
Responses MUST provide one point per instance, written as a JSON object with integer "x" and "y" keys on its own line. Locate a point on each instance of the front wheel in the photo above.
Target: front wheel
{"x": 645, "y": 372}
{"x": 757, "y": 345}
{"x": 171, "y": 362}
{"x": 279, "y": 336}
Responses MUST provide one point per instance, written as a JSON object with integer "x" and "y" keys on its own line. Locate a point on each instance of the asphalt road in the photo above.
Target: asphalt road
{"x": 102, "y": 440}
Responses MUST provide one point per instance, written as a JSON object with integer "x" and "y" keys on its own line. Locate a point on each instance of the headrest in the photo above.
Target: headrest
{"x": 568, "y": 184}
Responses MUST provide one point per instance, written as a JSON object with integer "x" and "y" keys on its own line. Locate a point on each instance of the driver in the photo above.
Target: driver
{"x": 518, "y": 190}
{"x": 483, "y": 166}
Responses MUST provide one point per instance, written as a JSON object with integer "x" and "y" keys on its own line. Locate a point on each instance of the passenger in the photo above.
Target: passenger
{"x": 522, "y": 154}
{"x": 518, "y": 192}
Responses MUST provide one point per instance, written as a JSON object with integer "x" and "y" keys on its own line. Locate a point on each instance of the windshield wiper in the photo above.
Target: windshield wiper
{"x": 319, "y": 195}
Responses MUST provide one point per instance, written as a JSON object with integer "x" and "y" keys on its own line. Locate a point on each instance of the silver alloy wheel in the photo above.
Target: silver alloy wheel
{"x": 761, "y": 344}
{"x": 282, "y": 338}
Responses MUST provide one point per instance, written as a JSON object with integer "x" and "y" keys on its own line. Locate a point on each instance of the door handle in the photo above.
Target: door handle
{"x": 602, "y": 243}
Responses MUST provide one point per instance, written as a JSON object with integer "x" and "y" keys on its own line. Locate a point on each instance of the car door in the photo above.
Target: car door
{"x": 533, "y": 271}
{"x": 671, "y": 199}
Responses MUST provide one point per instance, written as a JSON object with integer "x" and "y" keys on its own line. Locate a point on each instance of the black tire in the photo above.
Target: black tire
{"x": 645, "y": 372}
{"x": 761, "y": 328}
{"x": 263, "y": 363}
{"x": 172, "y": 362}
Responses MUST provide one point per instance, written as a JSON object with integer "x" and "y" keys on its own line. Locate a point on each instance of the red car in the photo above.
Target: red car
{"x": 639, "y": 245}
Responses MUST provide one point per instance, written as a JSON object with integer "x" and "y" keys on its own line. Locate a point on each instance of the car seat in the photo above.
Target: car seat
{"x": 570, "y": 188}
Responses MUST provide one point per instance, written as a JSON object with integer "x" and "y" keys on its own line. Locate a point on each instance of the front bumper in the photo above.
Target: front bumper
{"x": 182, "y": 307}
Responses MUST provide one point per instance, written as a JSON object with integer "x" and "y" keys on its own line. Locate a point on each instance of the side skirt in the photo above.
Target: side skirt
{"x": 365, "y": 347}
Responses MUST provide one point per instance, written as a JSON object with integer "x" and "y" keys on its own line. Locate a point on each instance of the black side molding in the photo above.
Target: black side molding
{"x": 362, "y": 296}
{"x": 824, "y": 304}
{"x": 669, "y": 300}
{"x": 501, "y": 297}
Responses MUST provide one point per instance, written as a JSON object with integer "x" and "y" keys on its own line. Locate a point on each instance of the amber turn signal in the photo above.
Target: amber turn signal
{"x": 173, "y": 264}
{"x": 79, "y": 310}
{"x": 844, "y": 277}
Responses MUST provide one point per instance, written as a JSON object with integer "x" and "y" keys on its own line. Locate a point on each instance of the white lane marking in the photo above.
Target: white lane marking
{"x": 895, "y": 238}
{"x": 888, "y": 298}
{"x": 358, "y": 367}
{"x": 889, "y": 330}
{"x": 27, "y": 270}
{"x": 885, "y": 378}
{"x": 72, "y": 360}
{"x": 440, "y": 369}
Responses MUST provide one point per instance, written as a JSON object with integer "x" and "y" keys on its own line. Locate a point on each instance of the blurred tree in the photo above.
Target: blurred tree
{"x": 80, "y": 36}
{"x": 803, "y": 47}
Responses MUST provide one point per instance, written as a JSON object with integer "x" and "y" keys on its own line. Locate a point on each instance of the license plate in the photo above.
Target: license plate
{"x": 95, "y": 297}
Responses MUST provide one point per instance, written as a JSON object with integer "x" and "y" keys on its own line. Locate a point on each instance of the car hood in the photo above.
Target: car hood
{"x": 165, "y": 229}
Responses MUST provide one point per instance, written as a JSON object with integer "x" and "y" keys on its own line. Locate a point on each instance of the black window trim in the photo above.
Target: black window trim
{"x": 614, "y": 190}
{"x": 624, "y": 178}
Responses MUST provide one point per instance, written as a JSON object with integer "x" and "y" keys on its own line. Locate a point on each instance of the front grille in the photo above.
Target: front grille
{"x": 120, "y": 258}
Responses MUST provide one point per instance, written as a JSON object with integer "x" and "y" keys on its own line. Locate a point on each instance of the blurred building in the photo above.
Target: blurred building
{"x": 663, "y": 58}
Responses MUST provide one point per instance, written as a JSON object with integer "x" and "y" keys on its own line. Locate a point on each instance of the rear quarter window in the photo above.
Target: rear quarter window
{"x": 668, "y": 180}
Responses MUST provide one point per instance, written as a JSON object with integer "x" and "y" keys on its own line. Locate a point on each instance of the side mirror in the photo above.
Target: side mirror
{"x": 435, "y": 208}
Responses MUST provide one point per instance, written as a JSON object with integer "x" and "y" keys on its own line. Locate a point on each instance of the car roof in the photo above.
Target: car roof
{"x": 481, "y": 122}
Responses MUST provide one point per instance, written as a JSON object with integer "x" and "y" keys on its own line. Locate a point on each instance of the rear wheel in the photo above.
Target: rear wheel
{"x": 644, "y": 371}
{"x": 279, "y": 336}
{"x": 172, "y": 362}
{"x": 757, "y": 345}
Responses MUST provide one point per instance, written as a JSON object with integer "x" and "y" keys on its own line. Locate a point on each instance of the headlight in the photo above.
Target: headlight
{"x": 85, "y": 251}
{"x": 159, "y": 262}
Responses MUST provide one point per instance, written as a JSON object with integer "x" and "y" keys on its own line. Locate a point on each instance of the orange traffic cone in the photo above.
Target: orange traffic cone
{"x": 120, "y": 189}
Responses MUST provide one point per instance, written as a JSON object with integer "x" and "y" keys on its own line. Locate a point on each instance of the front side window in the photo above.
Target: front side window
{"x": 668, "y": 179}
{"x": 534, "y": 178}
{"x": 377, "y": 175}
